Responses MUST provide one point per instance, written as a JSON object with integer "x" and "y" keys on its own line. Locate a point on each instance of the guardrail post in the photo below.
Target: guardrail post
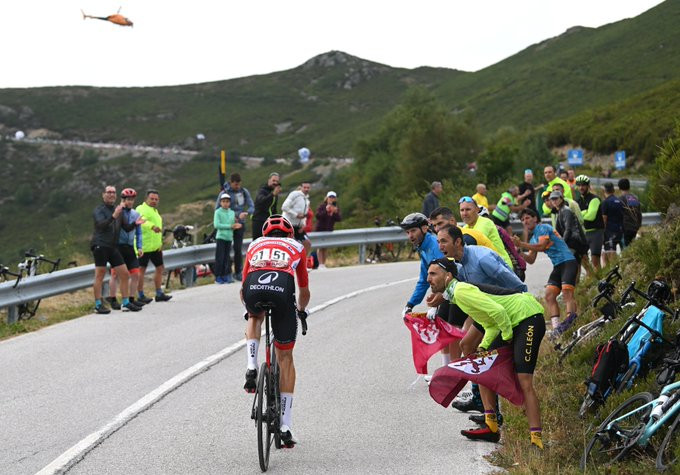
{"x": 189, "y": 276}
{"x": 12, "y": 314}
{"x": 362, "y": 253}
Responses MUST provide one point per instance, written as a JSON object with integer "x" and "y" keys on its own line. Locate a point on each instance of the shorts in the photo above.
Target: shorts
{"x": 526, "y": 340}
{"x": 452, "y": 314}
{"x": 299, "y": 234}
{"x": 611, "y": 239}
{"x": 106, "y": 255}
{"x": 564, "y": 275}
{"x": 500, "y": 222}
{"x": 595, "y": 240}
{"x": 129, "y": 257}
{"x": 156, "y": 258}
{"x": 278, "y": 288}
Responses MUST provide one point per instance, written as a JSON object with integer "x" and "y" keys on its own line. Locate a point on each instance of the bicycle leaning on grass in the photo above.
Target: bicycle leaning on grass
{"x": 633, "y": 425}
{"x": 267, "y": 401}
{"x": 609, "y": 310}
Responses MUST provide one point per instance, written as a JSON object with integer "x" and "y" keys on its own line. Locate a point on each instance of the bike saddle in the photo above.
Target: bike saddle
{"x": 265, "y": 305}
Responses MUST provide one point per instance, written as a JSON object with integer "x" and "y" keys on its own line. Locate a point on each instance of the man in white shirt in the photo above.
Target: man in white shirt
{"x": 295, "y": 209}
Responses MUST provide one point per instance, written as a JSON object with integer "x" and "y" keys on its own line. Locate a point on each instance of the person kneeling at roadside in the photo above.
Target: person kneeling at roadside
{"x": 515, "y": 319}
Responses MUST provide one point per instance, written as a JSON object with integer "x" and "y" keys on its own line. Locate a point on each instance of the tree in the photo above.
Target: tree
{"x": 664, "y": 183}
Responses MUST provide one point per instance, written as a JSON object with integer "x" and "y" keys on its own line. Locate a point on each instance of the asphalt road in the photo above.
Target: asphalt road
{"x": 355, "y": 409}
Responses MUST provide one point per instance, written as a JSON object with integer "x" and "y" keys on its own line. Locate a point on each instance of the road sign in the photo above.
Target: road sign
{"x": 575, "y": 157}
{"x": 620, "y": 160}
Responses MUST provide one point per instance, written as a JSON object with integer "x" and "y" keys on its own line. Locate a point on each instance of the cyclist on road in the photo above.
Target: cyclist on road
{"x": 515, "y": 319}
{"x": 271, "y": 264}
{"x": 416, "y": 227}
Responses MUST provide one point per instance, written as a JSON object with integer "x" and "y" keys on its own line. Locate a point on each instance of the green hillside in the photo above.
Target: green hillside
{"x": 332, "y": 99}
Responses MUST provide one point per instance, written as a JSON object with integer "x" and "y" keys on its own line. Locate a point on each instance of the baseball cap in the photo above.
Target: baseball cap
{"x": 528, "y": 171}
{"x": 331, "y": 194}
{"x": 225, "y": 196}
{"x": 555, "y": 194}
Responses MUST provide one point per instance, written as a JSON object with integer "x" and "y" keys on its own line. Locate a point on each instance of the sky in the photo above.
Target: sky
{"x": 47, "y": 42}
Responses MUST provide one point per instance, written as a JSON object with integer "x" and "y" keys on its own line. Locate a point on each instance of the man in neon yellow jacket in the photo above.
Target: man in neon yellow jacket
{"x": 152, "y": 240}
{"x": 551, "y": 177}
{"x": 513, "y": 319}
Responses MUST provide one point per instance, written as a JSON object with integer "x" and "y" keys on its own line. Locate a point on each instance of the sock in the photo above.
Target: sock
{"x": 126, "y": 300}
{"x": 446, "y": 358}
{"x": 555, "y": 321}
{"x": 536, "y": 436}
{"x": 252, "y": 347}
{"x": 287, "y": 409}
{"x": 98, "y": 302}
{"x": 140, "y": 294}
{"x": 491, "y": 421}
{"x": 159, "y": 291}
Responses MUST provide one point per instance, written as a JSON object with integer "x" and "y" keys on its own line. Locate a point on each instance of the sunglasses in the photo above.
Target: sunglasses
{"x": 437, "y": 262}
{"x": 466, "y": 199}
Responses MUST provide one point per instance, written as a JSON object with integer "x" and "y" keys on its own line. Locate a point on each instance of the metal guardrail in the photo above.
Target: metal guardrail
{"x": 69, "y": 280}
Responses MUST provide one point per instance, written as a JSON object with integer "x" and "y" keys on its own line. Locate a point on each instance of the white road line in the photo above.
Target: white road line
{"x": 76, "y": 453}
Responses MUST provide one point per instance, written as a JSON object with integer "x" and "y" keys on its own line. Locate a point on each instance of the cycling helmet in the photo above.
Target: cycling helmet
{"x": 582, "y": 180}
{"x": 659, "y": 291}
{"x": 413, "y": 220}
{"x": 180, "y": 232}
{"x": 276, "y": 222}
{"x": 128, "y": 193}
{"x": 483, "y": 211}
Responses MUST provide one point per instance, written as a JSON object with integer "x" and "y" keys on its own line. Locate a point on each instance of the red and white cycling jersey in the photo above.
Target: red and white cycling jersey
{"x": 280, "y": 254}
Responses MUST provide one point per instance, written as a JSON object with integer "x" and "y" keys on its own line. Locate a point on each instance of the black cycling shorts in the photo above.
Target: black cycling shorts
{"x": 129, "y": 256}
{"x": 106, "y": 255}
{"x": 564, "y": 275}
{"x": 526, "y": 340}
{"x": 299, "y": 234}
{"x": 452, "y": 314}
{"x": 279, "y": 288}
{"x": 612, "y": 239}
{"x": 156, "y": 258}
{"x": 595, "y": 240}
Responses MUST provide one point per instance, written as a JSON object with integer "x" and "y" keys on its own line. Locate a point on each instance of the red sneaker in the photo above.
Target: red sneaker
{"x": 482, "y": 433}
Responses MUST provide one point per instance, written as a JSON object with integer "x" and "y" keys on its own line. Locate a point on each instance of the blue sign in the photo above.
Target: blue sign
{"x": 575, "y": 157}
{"x": 620, "y": 160}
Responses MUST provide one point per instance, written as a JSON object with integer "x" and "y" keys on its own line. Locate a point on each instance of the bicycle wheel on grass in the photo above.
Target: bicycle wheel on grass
{"x": 609, "y": 446}
{"x": 669, "y": 450}
{"x": 263, "y": 417}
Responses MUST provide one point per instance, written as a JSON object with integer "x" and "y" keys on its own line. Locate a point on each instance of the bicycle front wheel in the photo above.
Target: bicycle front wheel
{"x": 608, "y": 446}
{"x": 263, "y": 417}
{"x": 669, "y": 451}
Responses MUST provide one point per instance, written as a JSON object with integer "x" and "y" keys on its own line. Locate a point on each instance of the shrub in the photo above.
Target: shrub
{"x": 665, "y": 179}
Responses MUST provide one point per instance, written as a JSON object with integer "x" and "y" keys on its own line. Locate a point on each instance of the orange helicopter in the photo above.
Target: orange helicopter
{"x": 118, "y": 19}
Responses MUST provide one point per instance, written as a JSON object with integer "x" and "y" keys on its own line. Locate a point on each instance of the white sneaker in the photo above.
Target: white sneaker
{"x": 322, "y": 266}
{"x": 463, "y": 396}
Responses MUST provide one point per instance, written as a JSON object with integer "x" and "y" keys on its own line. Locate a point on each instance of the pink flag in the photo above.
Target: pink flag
{"x": 428, "y": 337}
{"x": 492, "y": 369}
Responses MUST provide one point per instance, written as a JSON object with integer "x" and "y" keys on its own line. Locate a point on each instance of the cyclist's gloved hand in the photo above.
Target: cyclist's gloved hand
{"x": 407, "y": 309}
{"x": 302, "y": 315}
{"x": 432, "y": 313}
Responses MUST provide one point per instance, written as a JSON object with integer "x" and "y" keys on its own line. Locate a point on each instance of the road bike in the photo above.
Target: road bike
{"x": 267, "y": 401}
{"x": 384, "y": 251}
{"x": 181, "y": 237}
{"x": 5, "y": 273}
{"x": 609, "y": 310}
{"x": 640, "y": 333}
{"x": 633, "y": 424}
{"x": 31, "y": 266}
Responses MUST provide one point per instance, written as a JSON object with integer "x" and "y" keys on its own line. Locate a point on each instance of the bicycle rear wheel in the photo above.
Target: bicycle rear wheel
{"x": 612, "y": 445}
{"x": 263, "y": 417}
{"x": 276, "y": 404}
{"x": 669, "y": 450}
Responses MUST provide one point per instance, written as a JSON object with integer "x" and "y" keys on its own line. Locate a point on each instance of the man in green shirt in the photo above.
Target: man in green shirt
{"x": 551, "y": 177}
{"x": 514, "y": 319}
{"x": 469, "y": 213}
{"x": 152, "y": 240}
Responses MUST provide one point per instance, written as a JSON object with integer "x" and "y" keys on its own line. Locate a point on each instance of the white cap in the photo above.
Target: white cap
{"x": 225, "y": 195}
{"x": 331, "y": 194}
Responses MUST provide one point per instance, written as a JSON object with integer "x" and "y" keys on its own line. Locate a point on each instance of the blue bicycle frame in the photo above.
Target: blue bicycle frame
{"x": 652, "y": 425}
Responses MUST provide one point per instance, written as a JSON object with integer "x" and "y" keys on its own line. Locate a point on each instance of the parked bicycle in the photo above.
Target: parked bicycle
{"x": 5, "y": 273}
{"x": 267, "y": 401}
{"x": 31, "y": 266}
{"x": 384, "y": 251}
{"x": 639, "y": 334}
{"x": 181, "y": 237}
{"x": 609, "y": 311}
{"x": 634, "y": 423}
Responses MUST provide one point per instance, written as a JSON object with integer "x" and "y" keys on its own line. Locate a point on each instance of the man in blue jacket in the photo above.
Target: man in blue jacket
{"x": 416, "y": 227}
{"x": 242, "y": 205}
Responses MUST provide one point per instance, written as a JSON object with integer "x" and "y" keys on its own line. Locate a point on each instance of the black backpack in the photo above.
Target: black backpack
{"x": 632, "y": 216}
{"x": 611, "y": 358}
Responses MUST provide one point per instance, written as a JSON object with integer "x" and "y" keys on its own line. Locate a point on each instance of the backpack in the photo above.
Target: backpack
{"x": 632, "y": 216}
{"x": 611, "y": 358}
